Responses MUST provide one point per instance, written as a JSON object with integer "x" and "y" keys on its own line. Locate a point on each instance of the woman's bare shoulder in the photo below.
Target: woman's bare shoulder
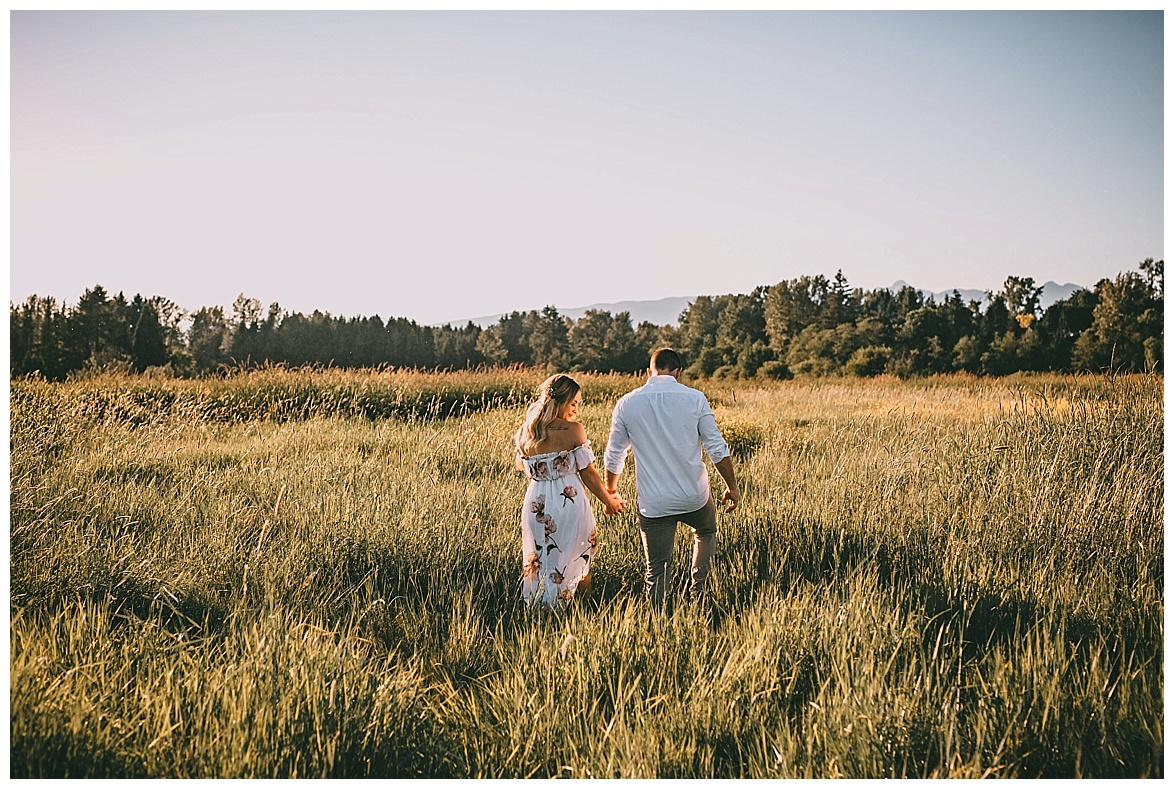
{"x": 563, "y": 435}
{"x": 576, "y": 432}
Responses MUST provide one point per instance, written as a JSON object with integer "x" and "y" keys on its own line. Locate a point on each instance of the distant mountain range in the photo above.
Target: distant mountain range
{"x": 667, "y": 311}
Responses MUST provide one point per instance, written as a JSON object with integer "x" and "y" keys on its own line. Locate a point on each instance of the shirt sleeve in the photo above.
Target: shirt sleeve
{"x": 583, "y": 456}
{"x": 711, "y": 437}
{"x": 618, "y": 442}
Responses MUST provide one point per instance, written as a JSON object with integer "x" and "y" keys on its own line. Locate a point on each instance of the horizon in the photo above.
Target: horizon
{"x": 565, "y": 310}
{"x": 434, "y": 164}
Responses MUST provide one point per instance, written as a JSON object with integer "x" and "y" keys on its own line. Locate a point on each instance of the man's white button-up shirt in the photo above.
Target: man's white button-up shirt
{"x": 666, "y": 424}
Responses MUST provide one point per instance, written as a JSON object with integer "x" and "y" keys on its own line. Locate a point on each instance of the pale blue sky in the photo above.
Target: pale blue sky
{"x": 445, "y": 165}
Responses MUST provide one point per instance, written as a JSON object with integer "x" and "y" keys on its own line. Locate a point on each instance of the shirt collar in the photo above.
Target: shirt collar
{"x": 662, "y": 380}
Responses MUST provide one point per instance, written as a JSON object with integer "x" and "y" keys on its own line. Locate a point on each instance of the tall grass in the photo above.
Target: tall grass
{"x": 261, "y": 577}
{"x": 281, "y": 394}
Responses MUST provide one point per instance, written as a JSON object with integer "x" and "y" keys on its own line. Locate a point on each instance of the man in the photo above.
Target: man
{"x": 666, "y": 424}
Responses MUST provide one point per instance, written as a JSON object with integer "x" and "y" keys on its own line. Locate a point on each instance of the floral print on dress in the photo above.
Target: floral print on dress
{"x": 532, "y": 567}
{"x": 548, "y": 525}
{"x": 556, "y": 556}
{"x": 556, "y": 465}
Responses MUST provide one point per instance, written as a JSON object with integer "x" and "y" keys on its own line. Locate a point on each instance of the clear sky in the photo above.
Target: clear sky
{"x": 447, "y": 165}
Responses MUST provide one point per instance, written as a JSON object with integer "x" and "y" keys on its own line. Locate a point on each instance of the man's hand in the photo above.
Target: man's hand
{"x": 731, "y": 498}
{"x": 615, "y": 505}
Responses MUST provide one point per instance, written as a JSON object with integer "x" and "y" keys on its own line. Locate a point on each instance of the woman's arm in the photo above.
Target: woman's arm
{"x": 519, "y": 463}
{"x": 594, "y": 483}
{"x": 613, "y": 502}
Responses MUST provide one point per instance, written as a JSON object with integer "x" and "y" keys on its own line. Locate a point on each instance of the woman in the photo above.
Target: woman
{"x": 558, "y": 526}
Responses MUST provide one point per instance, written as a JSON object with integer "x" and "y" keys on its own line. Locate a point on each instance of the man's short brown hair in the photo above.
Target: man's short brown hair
{"x": 666, "y": 360}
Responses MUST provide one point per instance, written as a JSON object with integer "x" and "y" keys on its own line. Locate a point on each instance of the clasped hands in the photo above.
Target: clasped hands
{"x": 615, "y": 503}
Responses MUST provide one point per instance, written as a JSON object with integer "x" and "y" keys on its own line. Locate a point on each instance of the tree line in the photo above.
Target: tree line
{"x": 811, "y": 325}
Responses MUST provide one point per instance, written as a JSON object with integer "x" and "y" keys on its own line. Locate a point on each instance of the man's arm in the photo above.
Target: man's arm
{"x": 711, "y": 438}
{"x": 732, "y": 496}
{"x": 715, "y": 446}
{"x": 618, "y": 444}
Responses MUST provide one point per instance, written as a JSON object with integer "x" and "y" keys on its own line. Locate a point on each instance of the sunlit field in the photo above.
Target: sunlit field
{"x": 316, "y": 574}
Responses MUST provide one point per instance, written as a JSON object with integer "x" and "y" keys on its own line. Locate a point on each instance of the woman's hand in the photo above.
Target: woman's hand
{"x": 614, "y": 504}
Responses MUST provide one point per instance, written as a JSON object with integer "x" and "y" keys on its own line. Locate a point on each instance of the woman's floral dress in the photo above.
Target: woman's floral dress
{"x": 558, "y": 526}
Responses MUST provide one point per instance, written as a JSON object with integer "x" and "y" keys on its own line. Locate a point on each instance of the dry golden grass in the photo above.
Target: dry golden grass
{"x": 269, "y": 576}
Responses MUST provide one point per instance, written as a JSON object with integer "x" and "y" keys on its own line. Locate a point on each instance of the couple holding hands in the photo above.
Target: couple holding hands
{"x": 666, "y": 425}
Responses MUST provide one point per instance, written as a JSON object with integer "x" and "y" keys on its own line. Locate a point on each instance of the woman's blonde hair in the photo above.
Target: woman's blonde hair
{"x": 553, "y": 394}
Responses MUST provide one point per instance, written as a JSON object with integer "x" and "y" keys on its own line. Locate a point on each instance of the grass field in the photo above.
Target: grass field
{"x": 295, "y": 574}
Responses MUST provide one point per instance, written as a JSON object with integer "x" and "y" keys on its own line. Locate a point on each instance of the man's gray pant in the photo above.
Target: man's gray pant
{"x": 658, "y": 536}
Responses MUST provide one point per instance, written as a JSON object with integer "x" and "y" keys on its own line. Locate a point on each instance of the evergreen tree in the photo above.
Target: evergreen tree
{"x": 791, "y": 306}
{"x": 21, "y": 333}
{"x": 838, "y": 306}
{"x": 549, "y": 339}
{"x": 148, "y": 347}
{"x": 246, "y": 330}
{"x": 620, "y": 349}
{"x": 457, "y": 348}
{"x": 908, "y": 299}
{"x": 510, "y": 344}
{"x": 1060, "y": 326}
{"x": 209, "y": 339}
{"x": 96, "y": 334}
